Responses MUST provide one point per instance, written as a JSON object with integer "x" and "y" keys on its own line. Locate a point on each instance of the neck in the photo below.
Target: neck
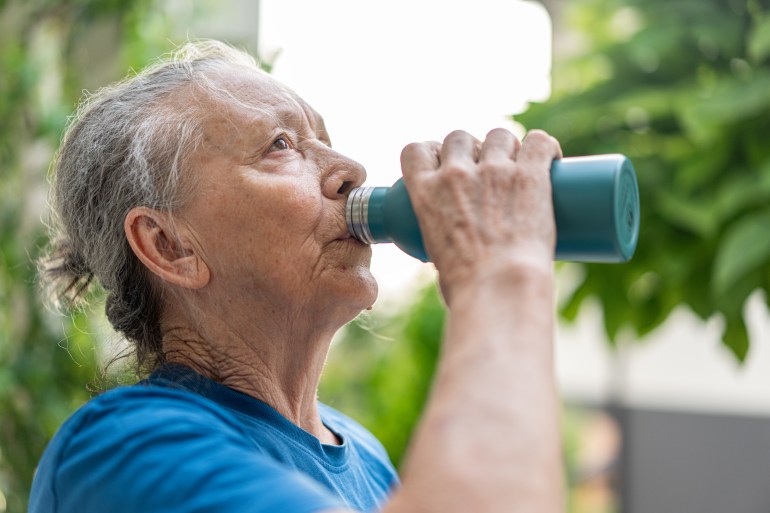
{"x": 279, "y": 363}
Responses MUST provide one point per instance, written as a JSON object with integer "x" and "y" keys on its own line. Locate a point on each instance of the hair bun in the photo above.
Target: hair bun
{"x": 65, "y": 275}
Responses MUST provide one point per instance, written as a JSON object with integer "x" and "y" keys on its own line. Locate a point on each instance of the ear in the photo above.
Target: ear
{"x": 155, "y": 244}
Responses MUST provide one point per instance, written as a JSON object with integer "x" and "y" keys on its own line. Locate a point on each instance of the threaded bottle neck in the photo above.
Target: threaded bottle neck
{"x": 357, "y": 214}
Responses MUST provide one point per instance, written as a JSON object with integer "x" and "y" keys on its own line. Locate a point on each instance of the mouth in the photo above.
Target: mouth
{"x": 344, "y": 235}
{"x": 348, "y": 239}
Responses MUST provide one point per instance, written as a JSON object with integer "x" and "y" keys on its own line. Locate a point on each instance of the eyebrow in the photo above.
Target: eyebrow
{"x": 320, "y": 127}
{"x": 308, "y": 117}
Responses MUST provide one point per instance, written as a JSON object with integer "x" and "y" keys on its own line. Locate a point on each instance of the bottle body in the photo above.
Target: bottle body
{"x": 595, "y": 201}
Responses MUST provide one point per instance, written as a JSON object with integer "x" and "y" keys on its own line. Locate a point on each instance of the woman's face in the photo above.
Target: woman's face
{"x": 268, "y": 214}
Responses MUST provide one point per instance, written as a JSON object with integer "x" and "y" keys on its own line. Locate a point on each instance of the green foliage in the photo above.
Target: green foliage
{"x": 380, "y": 370}
{"x": 683, "y": 89}
{"x": 49, "y": 52}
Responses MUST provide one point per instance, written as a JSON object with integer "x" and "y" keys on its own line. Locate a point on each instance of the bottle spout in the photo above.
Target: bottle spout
{"x": 357, "y": 214}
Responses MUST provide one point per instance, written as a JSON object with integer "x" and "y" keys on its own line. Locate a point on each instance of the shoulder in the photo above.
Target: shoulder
{"x": 121, "y": 422}
{"x": 148, "y": 448}
{"x": 147, "y": 405}
{"x": 120, "y": 415}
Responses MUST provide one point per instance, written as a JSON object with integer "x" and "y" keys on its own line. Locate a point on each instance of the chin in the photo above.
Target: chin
{"x": 360, "y": 290}
{"x": 375, "y": 289}
{"x": 367, "y": 289}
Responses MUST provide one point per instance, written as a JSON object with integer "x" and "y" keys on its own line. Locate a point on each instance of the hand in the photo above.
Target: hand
{"x": 483, "y": 207}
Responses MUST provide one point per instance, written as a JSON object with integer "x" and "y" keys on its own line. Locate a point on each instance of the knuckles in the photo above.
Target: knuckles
{"x": 498, "y": 131}
{"x": 458, "y": 134}
{"x": 542, "y": 140}
{"x": 456, "y": 172}
{"x": 538, "y": 136}
{"x": 422, "y": 152}
{"x": 501, "y": 133}
{"x": 411, "y": 150}
{"x": 497, "y": 168}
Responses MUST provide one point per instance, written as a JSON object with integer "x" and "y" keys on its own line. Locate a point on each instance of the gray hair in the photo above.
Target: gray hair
{"x": 127, "y": 146}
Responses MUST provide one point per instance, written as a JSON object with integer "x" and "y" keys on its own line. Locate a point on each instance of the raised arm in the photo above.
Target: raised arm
{"x": 489, "y": 439}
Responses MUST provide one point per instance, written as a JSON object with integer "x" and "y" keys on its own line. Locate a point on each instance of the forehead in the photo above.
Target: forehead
{"x": 255, "y": 100}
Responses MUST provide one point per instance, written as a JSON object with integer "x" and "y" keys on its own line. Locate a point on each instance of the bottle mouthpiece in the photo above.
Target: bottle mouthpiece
{"x": 357, "y": 214}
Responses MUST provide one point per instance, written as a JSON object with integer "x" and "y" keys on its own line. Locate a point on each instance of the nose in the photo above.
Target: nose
{"x": 342, "y": 174}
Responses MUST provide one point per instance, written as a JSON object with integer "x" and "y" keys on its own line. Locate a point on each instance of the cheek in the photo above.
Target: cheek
{"x": 296, "y": 212}
{"x": 282, "y": 224}
{"x": 274, "y": 203}
{"x": 260, "y": 225}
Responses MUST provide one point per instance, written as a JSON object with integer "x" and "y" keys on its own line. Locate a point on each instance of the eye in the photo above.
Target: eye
{"x": 280, "y": 144}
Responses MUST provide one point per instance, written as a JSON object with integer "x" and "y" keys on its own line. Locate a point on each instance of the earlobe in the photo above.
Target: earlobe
{"x": 154, "y": 242}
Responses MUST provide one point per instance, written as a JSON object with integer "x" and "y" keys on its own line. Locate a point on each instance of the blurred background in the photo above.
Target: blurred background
{"x": 663, "y": 363}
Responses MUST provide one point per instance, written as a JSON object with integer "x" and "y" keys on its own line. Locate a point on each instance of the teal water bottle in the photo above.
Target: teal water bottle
{"x": 595, "y": 202}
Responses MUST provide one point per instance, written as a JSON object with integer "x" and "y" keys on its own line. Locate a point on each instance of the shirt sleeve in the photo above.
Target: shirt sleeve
{"x": 153, "y": 453}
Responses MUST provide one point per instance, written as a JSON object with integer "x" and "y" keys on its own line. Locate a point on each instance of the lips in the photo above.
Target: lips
{"x": 343, "y": 233}
{"x": 347, "y": 238}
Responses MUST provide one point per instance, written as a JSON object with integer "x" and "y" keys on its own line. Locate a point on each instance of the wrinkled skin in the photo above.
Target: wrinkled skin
{"x": 260, "y": 274}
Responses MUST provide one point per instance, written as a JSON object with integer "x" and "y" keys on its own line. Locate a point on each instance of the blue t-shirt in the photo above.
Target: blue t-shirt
{"x": 179, "y": 442}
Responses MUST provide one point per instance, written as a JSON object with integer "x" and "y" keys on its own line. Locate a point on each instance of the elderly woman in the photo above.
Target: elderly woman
{"x": 206, "y": 199}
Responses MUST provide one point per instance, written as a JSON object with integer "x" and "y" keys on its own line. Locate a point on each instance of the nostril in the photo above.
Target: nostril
{"x": 345, "y": 187}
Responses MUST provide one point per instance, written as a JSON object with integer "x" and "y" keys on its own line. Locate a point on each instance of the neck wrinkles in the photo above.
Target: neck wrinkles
{"x": 279, "y": 367}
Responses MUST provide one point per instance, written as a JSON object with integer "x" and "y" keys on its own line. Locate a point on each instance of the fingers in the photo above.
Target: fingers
{"x": 539, "y": 148}
{"x": 460, "y": 149}
{"x": 420, "y": 157}
{"x": 500, "y": 144}
{"x": 476, "y": 201}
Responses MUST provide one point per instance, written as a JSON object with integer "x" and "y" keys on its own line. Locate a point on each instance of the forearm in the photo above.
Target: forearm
{"x": 488, "y": 441}
{"x": 489, "y": 438}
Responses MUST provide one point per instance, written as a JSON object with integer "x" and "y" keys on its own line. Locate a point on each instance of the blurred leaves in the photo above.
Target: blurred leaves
{"x": 380, "y": 370}
{"x": 683, "y": 89}
{"x": 49, "y": 52}
{"x": 744, "y": 247}
{"x": 759, "y": 40}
